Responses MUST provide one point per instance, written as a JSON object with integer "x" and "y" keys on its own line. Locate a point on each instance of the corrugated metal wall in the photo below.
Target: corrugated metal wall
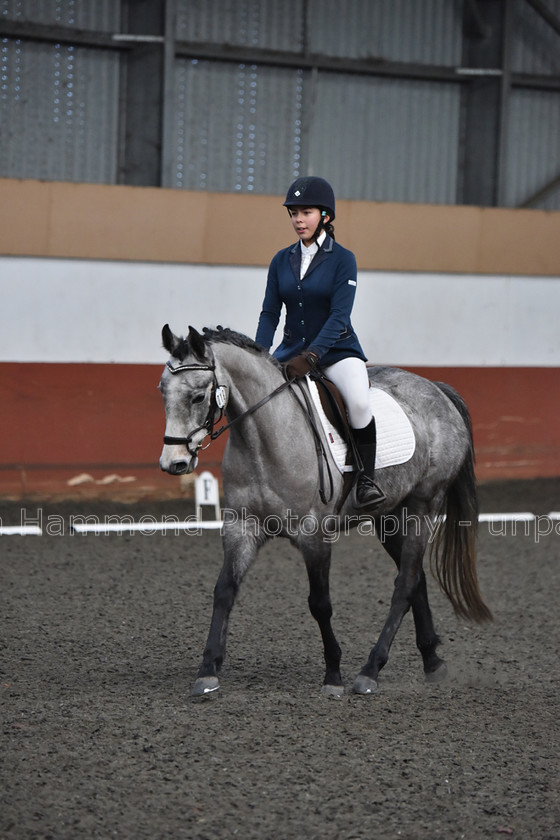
{"x": 361, "y": 129}
{"x": 249, "y": 139}
{"x": 533, "y": 136}
{"x": 535, "y": 46}
{"x": 427, "y": 32}
{"x": 250, "y": 127}
{"x": 376, "y": 138}
{"x": 102, "y": 15}
{"x": 397, "y": 30}
{"x": 275, "y": 24}
{"x": 59, "y": 103}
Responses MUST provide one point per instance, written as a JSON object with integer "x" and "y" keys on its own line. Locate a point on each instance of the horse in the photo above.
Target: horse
{"x": 270, "y": 473}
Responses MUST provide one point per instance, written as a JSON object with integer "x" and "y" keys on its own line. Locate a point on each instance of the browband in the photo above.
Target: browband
{"x": 181, "y": 368}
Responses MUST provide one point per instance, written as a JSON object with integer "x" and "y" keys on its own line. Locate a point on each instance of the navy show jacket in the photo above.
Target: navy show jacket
{"x": 318, "y": 306}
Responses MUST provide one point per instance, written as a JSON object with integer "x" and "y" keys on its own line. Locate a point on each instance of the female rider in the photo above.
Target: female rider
{"x": 316, "y": 281}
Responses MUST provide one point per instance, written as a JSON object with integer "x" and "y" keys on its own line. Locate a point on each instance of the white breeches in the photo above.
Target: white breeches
{"x": 350, "y": 377}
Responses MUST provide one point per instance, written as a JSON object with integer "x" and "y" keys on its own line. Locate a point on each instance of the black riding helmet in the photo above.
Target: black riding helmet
{"x": 311, "y": 191}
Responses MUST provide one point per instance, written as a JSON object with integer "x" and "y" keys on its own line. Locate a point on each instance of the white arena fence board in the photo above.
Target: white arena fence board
{"x": 148, "y": 527}
{"x": 113, "y": 312}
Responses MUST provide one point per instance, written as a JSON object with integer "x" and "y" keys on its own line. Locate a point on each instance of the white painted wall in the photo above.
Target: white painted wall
{"x": 54, "y": 310}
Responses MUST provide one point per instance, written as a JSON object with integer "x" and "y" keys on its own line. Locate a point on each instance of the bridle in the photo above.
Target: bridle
{"x": 219, "y": 399}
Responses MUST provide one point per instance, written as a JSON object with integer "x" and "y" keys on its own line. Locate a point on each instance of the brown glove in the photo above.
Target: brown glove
{"x": 302, "y": 364}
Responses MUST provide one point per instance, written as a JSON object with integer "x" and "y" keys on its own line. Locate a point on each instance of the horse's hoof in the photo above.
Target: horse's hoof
{"x": 364, "y": 685}
{"x": 438, "y": 674}
{"x": 335, "y": 692}
{"x": 205, "y": 686}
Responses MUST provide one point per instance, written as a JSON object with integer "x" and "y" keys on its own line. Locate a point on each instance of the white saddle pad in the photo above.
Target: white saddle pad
{"x": 395, "y": 437}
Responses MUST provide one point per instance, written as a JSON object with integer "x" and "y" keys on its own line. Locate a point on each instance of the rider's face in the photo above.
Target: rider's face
{"x": 305, "y": 221}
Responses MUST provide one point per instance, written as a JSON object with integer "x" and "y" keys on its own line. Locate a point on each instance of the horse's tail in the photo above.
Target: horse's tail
{"x": 453, "y": 552}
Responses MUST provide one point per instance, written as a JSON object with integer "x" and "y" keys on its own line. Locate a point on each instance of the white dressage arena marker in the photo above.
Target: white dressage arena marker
{"x": 207, "y": 494}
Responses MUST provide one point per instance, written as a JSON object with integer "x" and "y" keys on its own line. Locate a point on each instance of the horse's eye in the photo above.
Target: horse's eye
{"x": 198, "y": 399}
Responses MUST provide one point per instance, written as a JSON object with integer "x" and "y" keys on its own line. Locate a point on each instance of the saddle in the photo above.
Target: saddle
{"x": 326, "y": 415}
{"x": 335, "y": 412}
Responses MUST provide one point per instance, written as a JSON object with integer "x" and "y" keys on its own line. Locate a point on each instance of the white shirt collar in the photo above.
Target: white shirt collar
{"x": 314, "y": 247}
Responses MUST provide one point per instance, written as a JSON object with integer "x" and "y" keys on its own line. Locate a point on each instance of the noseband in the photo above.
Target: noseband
{"x": 218, "y": 399}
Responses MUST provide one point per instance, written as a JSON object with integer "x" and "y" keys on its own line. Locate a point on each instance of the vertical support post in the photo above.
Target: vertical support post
{"x": 505, "y": 91}
{"x": 484, "y": 102}
{"x": 140, "y": 162}
{"x": 168, "y": 95}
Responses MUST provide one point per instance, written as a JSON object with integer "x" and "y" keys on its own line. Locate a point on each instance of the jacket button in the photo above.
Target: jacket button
{"x": 302, "y": 323}
{"x": 300, "y": 303}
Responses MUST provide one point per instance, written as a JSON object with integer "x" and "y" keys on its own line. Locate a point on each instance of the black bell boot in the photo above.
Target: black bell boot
{"x": 367, "y": 492}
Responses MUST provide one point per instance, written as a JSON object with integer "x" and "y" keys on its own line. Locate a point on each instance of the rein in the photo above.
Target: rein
{"x": 319, "y": 445}
{"x": 250, "y": 410}
{"x": 219, "y": 398}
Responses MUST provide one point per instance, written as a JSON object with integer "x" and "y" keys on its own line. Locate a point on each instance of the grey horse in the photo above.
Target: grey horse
{"x": 271, "y": 473}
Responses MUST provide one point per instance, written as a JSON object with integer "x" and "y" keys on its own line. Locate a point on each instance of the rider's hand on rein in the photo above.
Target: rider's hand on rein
{"x": 302, "y": 364}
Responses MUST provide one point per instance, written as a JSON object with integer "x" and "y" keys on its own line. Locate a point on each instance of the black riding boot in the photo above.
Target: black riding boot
{"x": 367, "y": 491}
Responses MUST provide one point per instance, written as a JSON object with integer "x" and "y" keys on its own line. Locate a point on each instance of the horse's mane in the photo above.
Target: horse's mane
{"x": 224, "y": 335}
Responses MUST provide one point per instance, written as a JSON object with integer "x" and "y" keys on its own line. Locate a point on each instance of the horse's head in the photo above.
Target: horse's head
{"x": 190, "y": 395}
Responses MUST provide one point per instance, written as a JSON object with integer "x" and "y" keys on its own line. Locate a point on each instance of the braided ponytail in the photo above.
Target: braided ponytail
{"x": 329, "y": 228}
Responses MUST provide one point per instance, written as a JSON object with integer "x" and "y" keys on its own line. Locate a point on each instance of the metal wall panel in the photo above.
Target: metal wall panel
{"x": 535, "y": 45}
{"x": 397, "y": 30}
{"x": 394, "y": 30}
{"x": 274, "y": 24}
{"x": 59, "y": 103}
{"x": 533, "y": 150}
{"x": 386, "y": 139}
{"x": 58, "y": 112}
{"x": 103, "y": 15}
{"x": 237, "y": 127}
{"x": 533, "y": 139}
{"x": 378, "y": 138}
{"x": 245, "y": 127}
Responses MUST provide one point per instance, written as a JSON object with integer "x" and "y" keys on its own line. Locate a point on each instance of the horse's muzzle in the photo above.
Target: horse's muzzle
{"x": 177, "y": 466}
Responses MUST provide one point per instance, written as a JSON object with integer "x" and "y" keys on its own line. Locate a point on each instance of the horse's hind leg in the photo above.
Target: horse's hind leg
{"x": 427, "y": 639}
{"x": 407, "y": 550}
{"x": 317, "y": 556}
{"x": 239, "y": 552}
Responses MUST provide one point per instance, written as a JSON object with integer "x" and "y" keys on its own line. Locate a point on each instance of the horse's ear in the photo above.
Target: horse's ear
{"x": 196, "y": 342}
{"x": 170, "y": 341}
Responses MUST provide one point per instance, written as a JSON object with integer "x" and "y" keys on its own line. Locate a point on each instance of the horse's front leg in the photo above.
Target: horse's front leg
{"x": 239, "y": 552}
{"x": 317, "y": 556}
